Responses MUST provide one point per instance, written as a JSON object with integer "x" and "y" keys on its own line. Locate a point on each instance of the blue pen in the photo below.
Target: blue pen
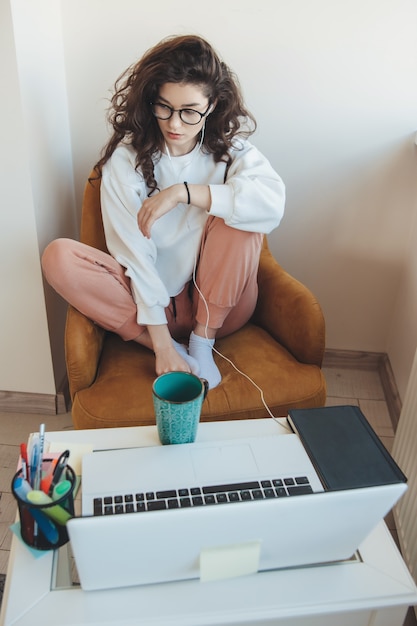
{"x": 34, "y": 459}
{"x": 46, "y": 526}
{"x": 41, "y": 443}
{"x": 21, "y": 488}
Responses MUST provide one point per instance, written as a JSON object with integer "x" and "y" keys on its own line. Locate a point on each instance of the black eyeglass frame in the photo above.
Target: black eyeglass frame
{"x": 180, "y": 111}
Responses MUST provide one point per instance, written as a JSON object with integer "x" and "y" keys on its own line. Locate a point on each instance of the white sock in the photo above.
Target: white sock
{"x": 201, "y": 349}
{"x": 182, "y": 351}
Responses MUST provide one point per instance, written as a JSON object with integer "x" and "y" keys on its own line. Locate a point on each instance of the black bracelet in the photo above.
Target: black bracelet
{"x": 188, "y": 193}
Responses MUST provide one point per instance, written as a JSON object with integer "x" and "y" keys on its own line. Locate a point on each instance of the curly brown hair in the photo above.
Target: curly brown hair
{"x": 178, "y": 59}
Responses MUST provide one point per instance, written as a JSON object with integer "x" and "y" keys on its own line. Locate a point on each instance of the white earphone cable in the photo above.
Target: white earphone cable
{"x": 225, "y": 357}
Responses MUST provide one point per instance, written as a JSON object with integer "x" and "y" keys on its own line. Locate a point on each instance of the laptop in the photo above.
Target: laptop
{"x": 167, "y": 513}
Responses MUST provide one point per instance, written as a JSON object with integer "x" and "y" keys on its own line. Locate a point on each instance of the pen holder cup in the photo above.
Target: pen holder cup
{"x": 43, "y": 519}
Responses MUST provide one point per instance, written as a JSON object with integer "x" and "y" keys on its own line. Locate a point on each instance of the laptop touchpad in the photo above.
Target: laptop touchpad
{"x": 229, "y": 462}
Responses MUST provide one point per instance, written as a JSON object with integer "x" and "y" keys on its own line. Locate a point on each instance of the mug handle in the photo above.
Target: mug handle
{"x": 206, "y": 387}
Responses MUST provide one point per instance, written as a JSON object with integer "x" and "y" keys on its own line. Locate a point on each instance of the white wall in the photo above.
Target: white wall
{"x": 332, "y": 84}
{"x": 40, "y": 57}
{"x": 402, "y": 335}
{"x": 25, "y": 362}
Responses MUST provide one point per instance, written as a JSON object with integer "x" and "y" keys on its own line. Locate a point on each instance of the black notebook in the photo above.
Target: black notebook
{"x": 343, "y": 447}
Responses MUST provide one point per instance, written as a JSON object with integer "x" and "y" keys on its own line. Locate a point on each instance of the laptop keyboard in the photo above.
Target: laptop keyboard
{"x": 201, "y": 496}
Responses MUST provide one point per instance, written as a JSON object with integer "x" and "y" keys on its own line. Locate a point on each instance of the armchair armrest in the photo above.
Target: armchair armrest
{"x": 289, "y": 311}
{"x": 83, "y": 346}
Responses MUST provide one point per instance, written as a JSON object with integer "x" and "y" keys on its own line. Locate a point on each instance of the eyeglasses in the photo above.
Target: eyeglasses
{"x": 188, "y": 116}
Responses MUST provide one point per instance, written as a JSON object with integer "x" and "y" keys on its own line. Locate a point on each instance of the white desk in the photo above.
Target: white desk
{"x": 374, "y": 590}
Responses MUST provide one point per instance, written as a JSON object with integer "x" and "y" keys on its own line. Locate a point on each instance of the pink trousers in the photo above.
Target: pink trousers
{"x": 94, "y": 283}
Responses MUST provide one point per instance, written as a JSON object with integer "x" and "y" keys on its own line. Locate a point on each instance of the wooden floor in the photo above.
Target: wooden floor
{"x": 361, "y": 387}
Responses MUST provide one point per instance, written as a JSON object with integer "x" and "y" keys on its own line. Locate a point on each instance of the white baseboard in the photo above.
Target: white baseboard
{"x": 38, "y": 403}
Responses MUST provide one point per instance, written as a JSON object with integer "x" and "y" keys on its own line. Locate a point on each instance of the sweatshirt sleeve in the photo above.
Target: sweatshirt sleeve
{"x": 253, "y": 198}
{"x": 122, "y": 194}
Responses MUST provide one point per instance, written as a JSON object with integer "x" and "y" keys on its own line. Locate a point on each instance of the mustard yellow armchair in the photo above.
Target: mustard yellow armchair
{"x": 280, "y": 349}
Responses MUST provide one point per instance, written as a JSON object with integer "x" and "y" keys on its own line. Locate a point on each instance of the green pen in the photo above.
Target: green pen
{"x": 61, "y": 489}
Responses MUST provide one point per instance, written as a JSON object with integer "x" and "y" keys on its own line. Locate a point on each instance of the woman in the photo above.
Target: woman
{"x": 185, "y": 202}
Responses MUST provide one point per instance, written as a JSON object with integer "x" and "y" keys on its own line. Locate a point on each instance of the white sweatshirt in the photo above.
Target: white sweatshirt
{"x": 252, "y": 199}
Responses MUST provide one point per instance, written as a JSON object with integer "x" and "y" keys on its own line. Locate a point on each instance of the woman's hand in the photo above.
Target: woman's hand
{"x": 161, "y": 203}
{"x": 168, "y": 360}
{"x": 158, "y": 205}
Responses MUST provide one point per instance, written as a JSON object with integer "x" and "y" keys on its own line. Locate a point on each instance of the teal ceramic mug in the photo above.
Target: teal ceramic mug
{"x": 177, "y": 400}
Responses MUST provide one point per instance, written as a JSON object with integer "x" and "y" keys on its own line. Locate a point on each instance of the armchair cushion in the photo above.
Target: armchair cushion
{"x": 280, "y": 350}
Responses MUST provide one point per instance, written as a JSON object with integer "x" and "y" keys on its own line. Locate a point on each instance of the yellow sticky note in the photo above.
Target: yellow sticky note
{"x": 229, "y": 561}
{"x": 77, "y": 451}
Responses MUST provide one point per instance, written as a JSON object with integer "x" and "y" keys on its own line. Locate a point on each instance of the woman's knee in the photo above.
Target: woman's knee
{"x": 55, "y": 258}
{"x": 231, "y": 240}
